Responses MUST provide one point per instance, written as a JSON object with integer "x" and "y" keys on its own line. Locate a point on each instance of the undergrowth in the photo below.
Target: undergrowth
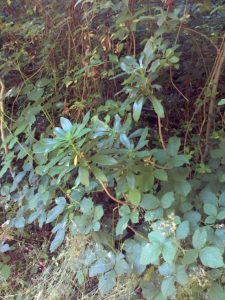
{"x": 112, "y": 150}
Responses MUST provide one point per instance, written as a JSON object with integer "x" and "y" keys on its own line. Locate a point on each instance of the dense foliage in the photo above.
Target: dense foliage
{"x": 112, "y": 126}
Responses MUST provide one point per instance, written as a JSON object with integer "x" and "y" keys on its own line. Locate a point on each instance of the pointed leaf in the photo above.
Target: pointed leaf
{"x": 66, "y": 124}
{"x": 58, "y": 239}
{"x": 84, "y": 175}
{"x": 158, "y": 108}
{"x": 137, "y": 108}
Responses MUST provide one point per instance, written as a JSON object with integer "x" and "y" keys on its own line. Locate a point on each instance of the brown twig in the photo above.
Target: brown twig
{"x": 176, "y": 88}
{"x": 160, "y": 133}
{"x": 112, "y": 197}
{"x": 214, "y": 81}
{"x": 2, "y": 112}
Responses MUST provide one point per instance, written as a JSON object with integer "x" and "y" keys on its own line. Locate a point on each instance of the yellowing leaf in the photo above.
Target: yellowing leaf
{"x": 75, "y": 160}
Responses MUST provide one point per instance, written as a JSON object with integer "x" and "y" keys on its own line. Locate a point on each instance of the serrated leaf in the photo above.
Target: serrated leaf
{"x": 169, "y": 251}
{"x": 173, "y": 146}
{"x": 98, "y": 212}
{"x": 166, "y": 269}
{"x": 84, "y": 175}
{"x": 167, "y": 200}
{"x": 216, "y": 292}
{"x": 199, "y": 238}
{"x": 5, "y": 271}
{"x": 35, "y": 94}
{"x": 124, "y": 211}
{"x": 210, "y": 209}
{"x": 211, "y": 257}
{"x": 134, "y": 196}
{"x": 181, "y": 275}
{"x": 168, "y": 288}
{"x": 122, "y": 225}
{"x": 157, "y": 237}
{"x": 221, "y": 215}
{"x": 150, "y": 254}
{"x": 86, "y": 206}
{"x": 190, "y": 256}
{"x": 42, "y": 82}
{"x": 107, "y": 282}
{"x": 134, "y": 216}
{"x": 121, "y": 266}
{"x": 101, "y": 266}
{"x": 149, "y": 202}
{"x": 182, "y": 230}
{"x": 158, "y": 108}
{"x": 58, "y": 239}
{"x": 161, "y": 175}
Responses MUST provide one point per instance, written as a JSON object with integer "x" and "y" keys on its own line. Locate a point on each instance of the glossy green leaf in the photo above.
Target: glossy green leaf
{"x": 66, "y": 124}
{"x": 137, "y": 108}
{"x": 104, "y": 160}
{"x": 84, "y": 175}
{"x": 125, "y": 141}
{"x": 158, "y": 108}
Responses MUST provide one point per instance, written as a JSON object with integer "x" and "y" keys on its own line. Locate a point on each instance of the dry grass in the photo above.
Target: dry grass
{"x": 58, "y": 280}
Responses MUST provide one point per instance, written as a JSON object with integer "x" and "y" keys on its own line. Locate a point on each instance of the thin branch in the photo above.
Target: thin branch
{"x": 2, "y": 112}
{"x": 215, "y": 81}
{"x": 160, "y": 133}
{"x": 111, "y": 196}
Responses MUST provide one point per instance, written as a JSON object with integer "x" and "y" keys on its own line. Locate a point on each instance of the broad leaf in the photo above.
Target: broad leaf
{"x": 168, "y": 288}
{"x": 104, "y": 160}
{"x": 167, "y": 200}
{"x": 134, "y": 196}
{"x": 182, "y": 230}
{"x": 211, "y": 257}
{"x": 107, "y": 282}
{"x": 199, "y": 238}
{"x": 150, "y": 254}
{"x": 66, "y": 124}
{"x": 84, "y": 175}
